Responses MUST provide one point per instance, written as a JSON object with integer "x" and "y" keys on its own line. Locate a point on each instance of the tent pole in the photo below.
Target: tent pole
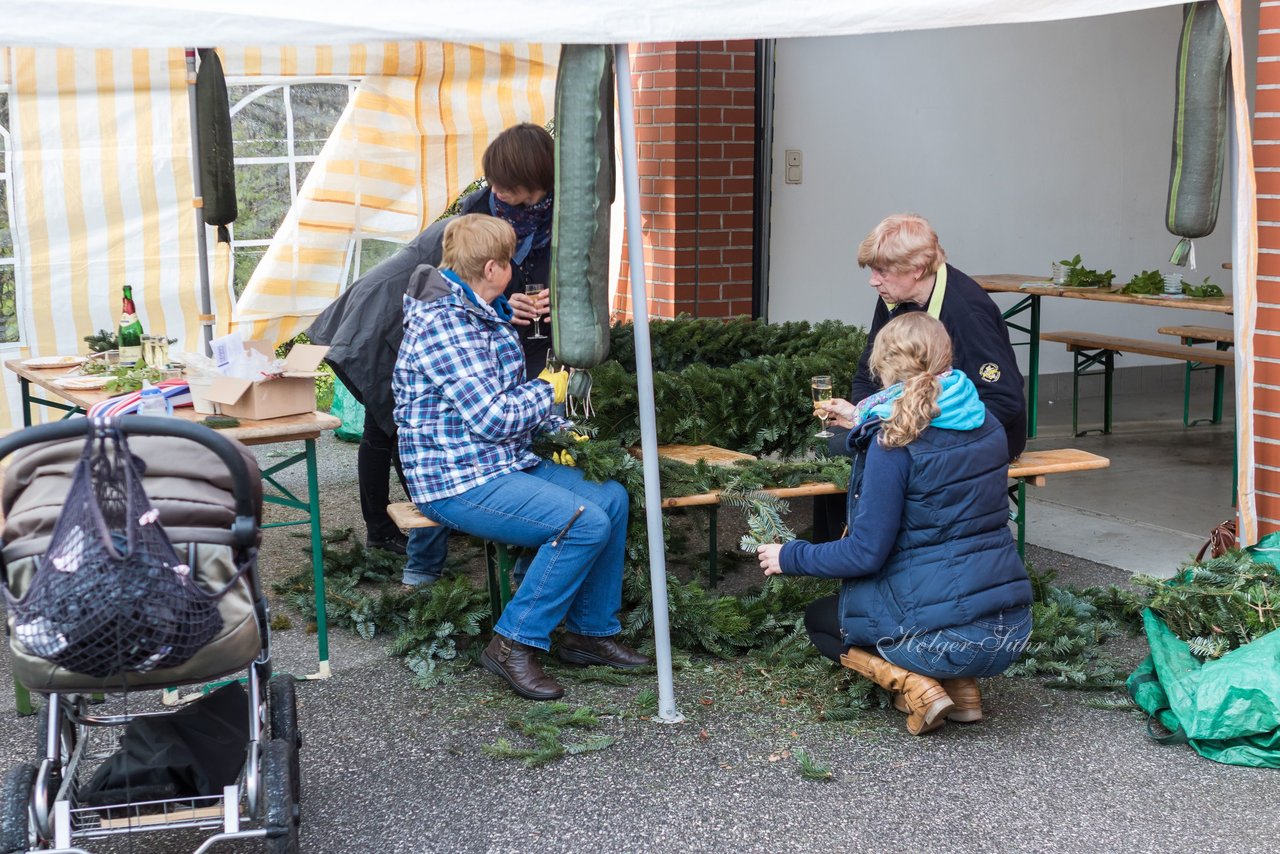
{"x": 202, "y": 247}
{"x": 667, "y": 712}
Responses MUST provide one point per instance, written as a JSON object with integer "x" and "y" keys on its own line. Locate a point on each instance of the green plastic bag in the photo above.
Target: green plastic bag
{"x": 350, "y": 410}
{"x": 1227, "y": 709}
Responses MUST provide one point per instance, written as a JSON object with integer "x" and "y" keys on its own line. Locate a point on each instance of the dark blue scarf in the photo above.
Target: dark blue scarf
{"x": 531, "y": 222}
{"x": 500, "y": 305}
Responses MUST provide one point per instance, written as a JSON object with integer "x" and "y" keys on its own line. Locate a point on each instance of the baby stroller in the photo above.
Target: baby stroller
{"x": 206, "y": 494}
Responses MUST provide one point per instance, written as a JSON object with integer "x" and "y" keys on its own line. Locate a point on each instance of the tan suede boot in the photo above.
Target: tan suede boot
{"x": 927, "y": 702}
{"x": 968, "y": 700}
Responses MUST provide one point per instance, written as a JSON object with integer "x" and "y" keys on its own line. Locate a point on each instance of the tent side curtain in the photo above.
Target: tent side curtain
{"x": 408, "y": 143}
{"x": 102, "y": 195}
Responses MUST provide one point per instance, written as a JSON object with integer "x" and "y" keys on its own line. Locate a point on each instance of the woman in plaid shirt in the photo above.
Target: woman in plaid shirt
{"x": 466, "y": 419}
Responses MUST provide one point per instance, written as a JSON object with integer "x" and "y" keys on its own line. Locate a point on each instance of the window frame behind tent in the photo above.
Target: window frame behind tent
{"x": 11, "y": 326}
{"x": 362, "y": 251}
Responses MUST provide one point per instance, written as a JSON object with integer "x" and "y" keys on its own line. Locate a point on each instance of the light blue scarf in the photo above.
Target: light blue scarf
{"x": 961, "y": 407}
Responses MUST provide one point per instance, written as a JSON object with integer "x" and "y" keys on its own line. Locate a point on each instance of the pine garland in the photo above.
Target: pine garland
{"x": 1219, "y": 605}
{"x": 677, "y": 344}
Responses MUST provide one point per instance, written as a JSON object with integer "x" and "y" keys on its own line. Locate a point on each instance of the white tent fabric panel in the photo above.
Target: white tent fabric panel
{"x": 165, "y": 23}
{"x": 402, "y": 151}
{"x": 102, "y": 186}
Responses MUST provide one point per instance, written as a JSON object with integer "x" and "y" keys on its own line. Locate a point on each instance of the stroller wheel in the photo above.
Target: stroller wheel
{"x": 15, "y": 809}
{"x": 283, "y": 708}
{"x": 282, "y": 811}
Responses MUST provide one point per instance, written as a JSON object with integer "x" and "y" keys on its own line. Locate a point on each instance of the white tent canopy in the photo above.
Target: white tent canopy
{"x": 230, "y": 23}
{"x": 237, "y": 23}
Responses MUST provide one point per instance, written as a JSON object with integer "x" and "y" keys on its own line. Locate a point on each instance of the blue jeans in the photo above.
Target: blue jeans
{"x": 427, "y": 548}
{"x": 576, "y": 575}
{"x": 981, "y": 648}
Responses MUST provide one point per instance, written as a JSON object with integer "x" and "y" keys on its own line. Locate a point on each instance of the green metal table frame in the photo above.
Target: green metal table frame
{"x": 282, "y": 496}
{"x": 1219, "y": 384}
{"x": 1029, "y": 303}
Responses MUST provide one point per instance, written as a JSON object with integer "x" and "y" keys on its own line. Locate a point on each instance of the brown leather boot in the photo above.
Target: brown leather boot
{"x": 581, "y": 649}
{"x": 964, "y": 693}
{"x": 518, "y": 664}
{"x": 926, "y": 701}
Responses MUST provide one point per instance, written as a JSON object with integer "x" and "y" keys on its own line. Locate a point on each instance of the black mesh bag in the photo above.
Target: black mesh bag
{"x": 110, "y": 595}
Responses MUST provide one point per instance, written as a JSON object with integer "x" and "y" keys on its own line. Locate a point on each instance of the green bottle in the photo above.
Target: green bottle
{"x": 129, "y": 338}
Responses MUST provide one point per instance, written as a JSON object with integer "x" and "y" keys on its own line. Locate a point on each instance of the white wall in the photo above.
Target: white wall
{"x": 1022, "y": 144}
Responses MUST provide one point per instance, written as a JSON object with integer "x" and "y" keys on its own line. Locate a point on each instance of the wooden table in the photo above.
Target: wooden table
{"x": 1013, "y": 283}
{"x": 305, "y": 428}
{"x": 1033, "y": 467}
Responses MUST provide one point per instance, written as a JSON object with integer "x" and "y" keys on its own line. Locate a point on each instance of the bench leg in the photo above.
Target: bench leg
{"x": 1109, "y": 369}
{"x": 499, "y": 559}
{"x": 713, "y": 546}
{"x": 1186, "y": 393}
{"x": 1084, "y": 360}
{"x": 1219, "y": 386}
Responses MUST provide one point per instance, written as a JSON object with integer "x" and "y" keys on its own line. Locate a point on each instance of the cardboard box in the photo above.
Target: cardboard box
{"x": 291, "y": 393}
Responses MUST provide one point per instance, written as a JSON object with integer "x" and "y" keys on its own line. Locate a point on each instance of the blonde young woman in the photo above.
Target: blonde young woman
{"x": 932, "y": 579}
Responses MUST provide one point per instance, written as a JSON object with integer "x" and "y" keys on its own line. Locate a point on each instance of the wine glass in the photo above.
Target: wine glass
{"x": 821, "y": 388}
{"x": 533, "y": 289}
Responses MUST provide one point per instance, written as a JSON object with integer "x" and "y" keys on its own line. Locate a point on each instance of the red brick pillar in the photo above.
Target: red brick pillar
{"x": 695, "y": 126}
{"x": 1266, "y": 342}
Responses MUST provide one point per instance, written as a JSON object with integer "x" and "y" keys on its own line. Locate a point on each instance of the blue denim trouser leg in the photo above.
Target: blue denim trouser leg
{"x": 427, "y": 549}
{"x": 575, "y": 576}
{"x": 984, "y": 647}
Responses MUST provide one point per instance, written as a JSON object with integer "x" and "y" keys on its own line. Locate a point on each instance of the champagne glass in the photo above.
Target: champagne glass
{"x": 821, "y": 388}
{"x": 532, "y": 289}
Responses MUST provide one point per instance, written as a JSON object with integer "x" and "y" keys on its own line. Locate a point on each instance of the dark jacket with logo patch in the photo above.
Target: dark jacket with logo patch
{"x": 980, "y": 343}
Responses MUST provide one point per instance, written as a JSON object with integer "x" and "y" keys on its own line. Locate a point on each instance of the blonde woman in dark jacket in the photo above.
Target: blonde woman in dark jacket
{"x": 932, "y": 581}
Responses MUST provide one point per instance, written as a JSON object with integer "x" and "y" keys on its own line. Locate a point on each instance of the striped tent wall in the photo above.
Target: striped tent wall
{"x": 100, "y": 161}
{"x": 101, "y": 177}
{"x": 408, "y": 143}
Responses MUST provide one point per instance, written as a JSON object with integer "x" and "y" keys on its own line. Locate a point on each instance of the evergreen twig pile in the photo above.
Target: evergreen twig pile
{"x": 1218, "y": 605}
{"x": 741, "y": 385}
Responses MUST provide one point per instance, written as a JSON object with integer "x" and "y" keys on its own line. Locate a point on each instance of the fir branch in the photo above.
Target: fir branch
{"x": 811, "y": 769}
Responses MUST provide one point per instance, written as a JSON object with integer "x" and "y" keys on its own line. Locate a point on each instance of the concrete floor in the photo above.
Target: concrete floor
{"x": 1167, "y": 487}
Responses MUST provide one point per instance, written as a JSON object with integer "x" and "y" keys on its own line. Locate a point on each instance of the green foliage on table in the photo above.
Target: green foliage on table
{"x": 127, "y": 379}
{"x": 1080, "y": 276}
{"x": 1146, "y": 282}
{"x": 1205, "y": 290}
{"x": 686, "y": 340}
{"x": 101, "y": 341}
{"x": 1218, "y": 605}
{"x": 742, "y": 385}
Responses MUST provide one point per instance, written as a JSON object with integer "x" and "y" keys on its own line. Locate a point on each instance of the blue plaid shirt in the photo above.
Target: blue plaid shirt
{"x": 464, "y": 413}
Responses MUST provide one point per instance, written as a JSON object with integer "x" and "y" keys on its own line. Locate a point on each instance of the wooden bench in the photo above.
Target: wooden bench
{"x": 499, "y": 558}
{"x": 1222, "y": 339}
{"x": 1030, "y": 468}
{"x": 1092, "y": 350}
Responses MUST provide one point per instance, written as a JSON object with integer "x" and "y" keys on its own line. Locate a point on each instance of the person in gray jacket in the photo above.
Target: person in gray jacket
{"x": 364, "y": 326}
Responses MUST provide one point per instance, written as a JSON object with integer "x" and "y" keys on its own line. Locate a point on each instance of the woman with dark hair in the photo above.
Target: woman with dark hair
{"x": 364, "y": 326}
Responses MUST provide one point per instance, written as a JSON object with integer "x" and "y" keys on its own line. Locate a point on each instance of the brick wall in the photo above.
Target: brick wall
{"x": 695, "y": 118}
{"x": 1266, "y": 153}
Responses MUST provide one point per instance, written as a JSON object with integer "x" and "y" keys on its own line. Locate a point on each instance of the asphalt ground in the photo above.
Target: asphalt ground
{"x": 388, "y": 767}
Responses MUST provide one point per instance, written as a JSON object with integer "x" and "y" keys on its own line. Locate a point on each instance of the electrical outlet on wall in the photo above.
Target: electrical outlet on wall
{"x": 795, "y": 166}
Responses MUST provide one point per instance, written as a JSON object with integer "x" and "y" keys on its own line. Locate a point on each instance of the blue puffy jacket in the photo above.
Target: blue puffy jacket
{"x": 953, "y": 560}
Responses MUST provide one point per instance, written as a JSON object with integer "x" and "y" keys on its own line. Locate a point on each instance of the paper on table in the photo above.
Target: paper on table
{"x": 226, "y": 348}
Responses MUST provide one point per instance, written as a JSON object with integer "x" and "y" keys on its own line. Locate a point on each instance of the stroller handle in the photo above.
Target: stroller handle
{"x": 243, "y": 530}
